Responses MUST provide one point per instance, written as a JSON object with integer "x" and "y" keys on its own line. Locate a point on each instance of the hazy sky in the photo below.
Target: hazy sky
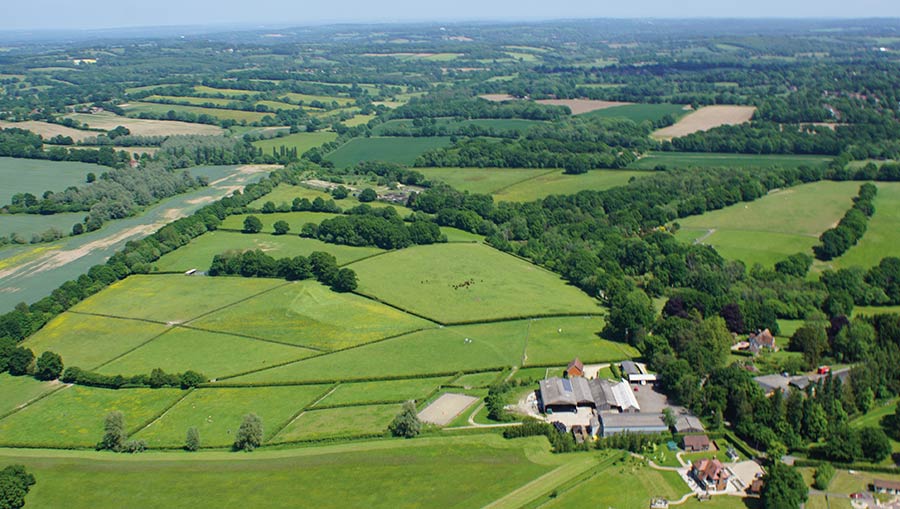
{"x": 85, "y": 14}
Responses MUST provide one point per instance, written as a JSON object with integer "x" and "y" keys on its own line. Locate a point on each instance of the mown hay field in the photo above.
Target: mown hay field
{"x": 467, "y": 282}
{"x": 706, "y": 118}
{"x": 394, "y": 150}
{"x": 145, "y": 127}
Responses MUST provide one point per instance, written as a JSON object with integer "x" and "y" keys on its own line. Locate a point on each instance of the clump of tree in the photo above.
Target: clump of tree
{"x": 836, "y": 241}
{"x": 48, "y": 366}
{"x": 192, "y": 439}
{"x": 823, "y": 476}
{"x": 406, "y": 424}
{"x": 155, "y": 380}
{"x": 114, "y": 433}
{"x": 560, "y": 442}
{"x": 250, "y": 435}
{"x": 319, "y": 265}
{"x": 380, "y": 227}
{"x": 15, "y": 483}
{"x": 783, "y": 487}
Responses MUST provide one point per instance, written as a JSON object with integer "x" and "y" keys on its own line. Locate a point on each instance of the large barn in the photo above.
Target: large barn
{"x": 567, "y": 394}
{"x": 613, "y": 424}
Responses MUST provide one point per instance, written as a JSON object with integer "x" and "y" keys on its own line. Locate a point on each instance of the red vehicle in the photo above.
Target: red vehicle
{"x": 824, "y": 370}
{"x": 856, "y": 496}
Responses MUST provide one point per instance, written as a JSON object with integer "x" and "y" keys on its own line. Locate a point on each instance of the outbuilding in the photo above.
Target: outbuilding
{"x": 696, "y": 443}
{"x": 886, "y": 487}
{"x": 575, "y": 368}
{"x": 613, "y": 424}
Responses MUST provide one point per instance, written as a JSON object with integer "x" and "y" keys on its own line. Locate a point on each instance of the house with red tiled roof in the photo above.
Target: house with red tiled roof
{"x": 710, "y": 474}
{"x": 575, "y": 368}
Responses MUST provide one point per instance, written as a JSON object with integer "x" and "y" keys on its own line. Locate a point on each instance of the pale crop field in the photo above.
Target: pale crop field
{"x": 706, "y": 118}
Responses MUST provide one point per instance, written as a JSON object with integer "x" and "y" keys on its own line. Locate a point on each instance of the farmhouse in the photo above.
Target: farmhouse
{"x": 762, "y": 340}
{"x": 887, "y": 487}
{"x": 575, "y": 368}
{"x": 613, "y": 424}
{"x": 710, "y": 474}
{"x": 696, "y": 443}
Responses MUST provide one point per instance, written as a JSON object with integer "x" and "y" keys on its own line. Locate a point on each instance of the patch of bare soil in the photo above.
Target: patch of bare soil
{"x": 706, "y": 118}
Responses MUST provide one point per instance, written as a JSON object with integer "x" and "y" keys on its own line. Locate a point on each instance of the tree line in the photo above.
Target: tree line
{"x": 836, "y": 241}
{"x": 319, "y": 265}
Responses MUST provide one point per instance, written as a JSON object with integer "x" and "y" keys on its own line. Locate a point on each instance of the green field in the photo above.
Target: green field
{"x": 295, "y": 219}
{"x": 300, "y": 141}
{"x": 338, "y": 422}
{"x": 385, "y": 474}
{"x": 640, "y": 112}
{"x": 89, "y": 341}
{"x": 210, "y": 353}
{"x": 16, "y": 391}
{"x": 495, "y": 285}
{"x": 481, "y": 180}
{"x": 217, "y": 413}
{"x": 285, "y": 194}
{"x": 434, "y": 351}
{"x": 477, "y": 379}
{"x": 309, "y": 314}
{"x": 200, "y": 252}
{"x": 770, "y": 229}
{"x": 373, "y": 392}
{"x": 231, "y": 92}
{"x": 557, "y": 182}
{"x": 709, "y": 160}
{"x": 73, "y": 417}
{"x": 172, "y": 298}
{"x": 27, "y": 225}
{"x": 36, "y": 176}
{"x": 136, "y": 108}
{"x": 497, "y": 124}
{"x": 882, "y": 237}
{"x": 394, "y": 150}
{"x": 559, "y": 340}
{"x": 307, "y": 98}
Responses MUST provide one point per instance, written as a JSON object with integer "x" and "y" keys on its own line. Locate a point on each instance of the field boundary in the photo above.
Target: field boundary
{"x": 504, "y": 188}
{"x": 130, "y": 350}
{"x": 252, "y": 338}
{"x": 328, "y": 392}
{"x": 160, "y": 414}
{"x": 386, "y": 378}
{"x": 34, "y": 400}
{"x": 241, "y": 301}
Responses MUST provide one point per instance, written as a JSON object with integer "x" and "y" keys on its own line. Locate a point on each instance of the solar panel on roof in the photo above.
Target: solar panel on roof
{"x": 567, "y": 384}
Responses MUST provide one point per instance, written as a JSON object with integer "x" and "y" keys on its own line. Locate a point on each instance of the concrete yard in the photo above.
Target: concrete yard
{"x": 443, "y": 410}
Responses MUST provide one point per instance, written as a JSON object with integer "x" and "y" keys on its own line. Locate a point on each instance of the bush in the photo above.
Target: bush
{"x": 281, "y": 227}
{"x": 407, "y": 423}
{"x": 15, "y": 482}
{"x": 250, "y": 434}
{"x": 252, "y": 224}
{"x": 113, "y": 432}
{"x": 134, "y": 446}
{"x": 367, "y": 195}
{"x": 192, "y": 440}
{"x": 191, "y": 379}
{"x": 20, "y": 359}
{"x": 49, "y": 366}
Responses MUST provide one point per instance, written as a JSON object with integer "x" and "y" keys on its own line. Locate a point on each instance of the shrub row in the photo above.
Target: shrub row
{"x": 836, "y": 241}
{"x": 156, "y": 379}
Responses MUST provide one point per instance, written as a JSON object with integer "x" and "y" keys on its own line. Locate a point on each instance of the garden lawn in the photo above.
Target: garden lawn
{"x": 74, "y": 416}
{"x": 200, "y": 252}
{"x": 557, "y": 182}
{"x": 712, "y": 160}
{"x": 374, "y": 392}
{"x": 339, "y": 422}
{"x": 172, "y": 298}
{"x": 210, "y": 353}
{"x": 307, "y": 313}
{"x": 781, "y": 223}
{"x": 395, "y": 150}
{"x": 436, "y": 351}
{"x": 559, "y": 340}
{"x": 300, "y": 141}
{"x": 395, "y": 474}
{"x": 217, "y": 413}
{"x": 452, "y": 283}
{"x": 882, "y": 237}
{"x": 16, "y": 391}
{"x": 296, "y": 220}
{"x": 89, "y": 341}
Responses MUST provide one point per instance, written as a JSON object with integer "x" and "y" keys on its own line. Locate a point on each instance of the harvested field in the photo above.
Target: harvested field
{"x": 707, "y": 118}
{"x": 579, "y": 106}
{"x": 48, "y": 130}
{"x": 143, "y": 127}
{"x": 444, "y": 409}
{"x": 498, "y": 97}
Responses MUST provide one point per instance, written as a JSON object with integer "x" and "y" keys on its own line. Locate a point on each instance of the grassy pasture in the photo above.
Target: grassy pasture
{"x": 28, "y": 225}
{"x": 89, "y": 341}
{"x": 358, "y": 120}
{"x": 501, "y": 124}
{"x": 444, "y": 350}
{"x": 217, "y": 413}
{"x": 309, "y": 314}
{"x": 295, "y": 219}
{"x": 73, "y": 417}
{"x": 308, "y": 98}
{"x": 372, "y": 392}
{"x": 641, "y": 112}
{"x": 882, "y": 236}
{"x": 478, "y": 379}
{"x": 200, "y": 252}
{"x": 394, "y": 150}
{"x": 703, "y": 160}
{"x": 48, "y": 130}
{"x": 136, "y": 108}
{"x": 301, "y": 141}
{"x": 211, "y": 353}
{"x": 481, "y": 180}
{"x": 36, "y": 176}
{"x": 557, "y": 182}
{"x": 384, "y": 474}
{"x": 780, "y": 224}
{"x": 143, "y": 127}
{"x": 231, "y": 92}
{"x": 338, "y": 422}
{"x": 559, "y": 340}
{"x": 16, "y": 391}
{"x": 196, "y": 101}
{"x": 499, "y": 285}
{"x": 174, "y": 298}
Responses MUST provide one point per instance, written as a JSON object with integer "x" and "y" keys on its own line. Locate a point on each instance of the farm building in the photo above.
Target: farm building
{"x": 613, "y": 424}
{"x": 710, "y": 474}
{"x": 636, "y": 373}
{"x": 696, "y": 443}
{"x": 886, "y": 487}
{"x": 688, "y": 424}
{"x": 567, "y": 394}
{"x": 575, "y": 368}
{"x": 762, "y": 340}
{"x": 771, "y": 383}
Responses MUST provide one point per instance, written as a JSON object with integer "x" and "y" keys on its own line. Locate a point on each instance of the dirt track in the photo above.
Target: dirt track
{"x": 706, "y": 118}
